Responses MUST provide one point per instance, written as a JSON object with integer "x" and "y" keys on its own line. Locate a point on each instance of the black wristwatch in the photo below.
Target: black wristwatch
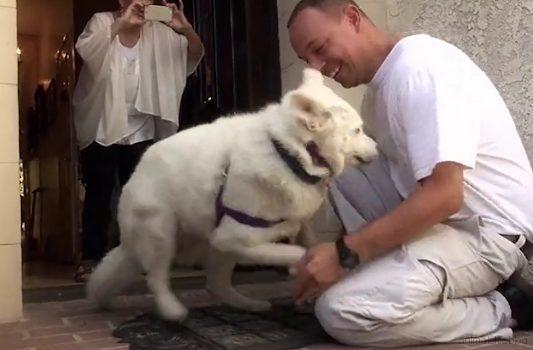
{"x": 347, "y": 258}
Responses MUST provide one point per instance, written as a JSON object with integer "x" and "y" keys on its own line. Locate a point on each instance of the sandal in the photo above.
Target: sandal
{"x": 84, "y": 269}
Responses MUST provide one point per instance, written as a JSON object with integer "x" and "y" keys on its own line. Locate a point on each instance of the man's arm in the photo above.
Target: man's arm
{"x": 439, "y": 197}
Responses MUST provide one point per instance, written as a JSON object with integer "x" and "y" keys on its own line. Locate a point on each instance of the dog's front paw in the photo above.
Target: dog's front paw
{"x": 173, "y": 311}
{"x": 257, "y": 306}
{"x": 296, "y": 255}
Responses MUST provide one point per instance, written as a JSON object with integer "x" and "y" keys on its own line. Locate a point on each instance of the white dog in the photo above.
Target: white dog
{"x": 232, "y": 188}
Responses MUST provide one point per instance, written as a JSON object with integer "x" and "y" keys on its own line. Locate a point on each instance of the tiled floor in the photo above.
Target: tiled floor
{"x": 77, "y": 325}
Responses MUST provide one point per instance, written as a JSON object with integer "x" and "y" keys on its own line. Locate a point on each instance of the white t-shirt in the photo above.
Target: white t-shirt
{"x": 140, "y": 126}
{"x": 429, "y": 103}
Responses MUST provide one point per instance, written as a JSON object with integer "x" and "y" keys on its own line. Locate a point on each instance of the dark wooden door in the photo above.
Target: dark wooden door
{"x": 48, "y": 147}
{"x": 58, "y": 162}
{"x": 241, "y": 70}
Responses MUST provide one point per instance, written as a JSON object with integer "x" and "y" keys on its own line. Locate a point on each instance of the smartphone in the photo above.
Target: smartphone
{"x": 158, "y": 13}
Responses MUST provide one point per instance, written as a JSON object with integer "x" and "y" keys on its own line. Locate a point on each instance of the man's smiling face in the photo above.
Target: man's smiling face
{"x": 332, "y": 43}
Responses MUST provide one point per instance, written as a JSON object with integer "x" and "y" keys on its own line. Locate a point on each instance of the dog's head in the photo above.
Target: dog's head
{"x": 328, "y": 123}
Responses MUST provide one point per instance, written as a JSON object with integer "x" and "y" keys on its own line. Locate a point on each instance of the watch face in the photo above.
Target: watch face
{"x": 347, "y": 258}
{"x": 350, "y": 261}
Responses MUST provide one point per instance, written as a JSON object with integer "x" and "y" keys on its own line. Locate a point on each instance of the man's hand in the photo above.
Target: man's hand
{"x": 179, "y": 22}
{"x": 318, "y": 270}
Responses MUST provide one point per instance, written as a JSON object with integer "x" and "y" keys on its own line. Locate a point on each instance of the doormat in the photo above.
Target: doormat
{"x": 224, "y": 328}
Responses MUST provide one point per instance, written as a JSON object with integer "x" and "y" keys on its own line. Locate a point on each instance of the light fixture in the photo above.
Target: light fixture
{"x": 19, "y": 54}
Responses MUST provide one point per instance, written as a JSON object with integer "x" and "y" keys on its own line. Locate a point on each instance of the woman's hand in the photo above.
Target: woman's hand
{"x": 132, "y": 17}
{"x": 179, "y": 22}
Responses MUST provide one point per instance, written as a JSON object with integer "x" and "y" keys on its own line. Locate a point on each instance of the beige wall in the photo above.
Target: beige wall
{"x": 10, "y": 253}
{"x": 291, "y": 66}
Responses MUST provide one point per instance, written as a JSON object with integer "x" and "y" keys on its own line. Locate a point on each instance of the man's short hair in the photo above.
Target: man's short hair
{"x": 320, "y": 5}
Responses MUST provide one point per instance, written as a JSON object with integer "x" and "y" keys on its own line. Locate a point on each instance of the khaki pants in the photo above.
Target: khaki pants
{"x": 438, "y": 288}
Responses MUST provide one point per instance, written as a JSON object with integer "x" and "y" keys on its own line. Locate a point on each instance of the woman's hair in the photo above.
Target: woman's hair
{"x": 155, "y": 2}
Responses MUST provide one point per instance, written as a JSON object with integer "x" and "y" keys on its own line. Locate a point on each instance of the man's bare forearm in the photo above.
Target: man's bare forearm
{"x": 435, "y": 201}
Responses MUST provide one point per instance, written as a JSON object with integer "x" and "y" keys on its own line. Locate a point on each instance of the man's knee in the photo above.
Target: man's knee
{"x": 364, "y": 320}
{"x": 343, "y": 320}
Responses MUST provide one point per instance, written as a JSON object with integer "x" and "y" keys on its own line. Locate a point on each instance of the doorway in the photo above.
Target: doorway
{"x": 48, "y": 156}
{"x": 52, "y": 193}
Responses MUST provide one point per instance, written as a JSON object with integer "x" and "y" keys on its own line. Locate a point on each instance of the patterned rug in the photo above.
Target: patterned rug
{"x": 222, "y": 327}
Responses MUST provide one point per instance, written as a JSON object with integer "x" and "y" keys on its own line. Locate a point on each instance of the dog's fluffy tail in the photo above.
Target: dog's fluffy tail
{"x": 115, "y": 273}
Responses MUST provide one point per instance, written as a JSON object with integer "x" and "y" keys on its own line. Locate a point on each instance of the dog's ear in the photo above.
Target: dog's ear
{"x": 311, "y": 113}
{"x": 311, "y": 75}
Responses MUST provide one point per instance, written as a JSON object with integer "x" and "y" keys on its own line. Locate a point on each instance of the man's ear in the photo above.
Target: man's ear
{"x": 309, "y": 112}
{"x": 354, "y": 15}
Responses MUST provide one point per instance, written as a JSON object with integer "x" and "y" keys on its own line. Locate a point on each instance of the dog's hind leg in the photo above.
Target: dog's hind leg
{"x": 159, "y": 252}
{"x": 115, "y": 273}
{"x": 219, "y": 270}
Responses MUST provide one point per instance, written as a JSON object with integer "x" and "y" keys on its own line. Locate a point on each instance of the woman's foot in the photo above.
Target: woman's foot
{"x": 83, "y": 270}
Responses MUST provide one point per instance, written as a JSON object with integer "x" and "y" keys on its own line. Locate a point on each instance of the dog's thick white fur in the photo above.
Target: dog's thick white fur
{"x": 167, "y": 209}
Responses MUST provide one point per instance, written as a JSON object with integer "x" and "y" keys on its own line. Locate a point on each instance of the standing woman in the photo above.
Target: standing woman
{"x": 128, "y": 95}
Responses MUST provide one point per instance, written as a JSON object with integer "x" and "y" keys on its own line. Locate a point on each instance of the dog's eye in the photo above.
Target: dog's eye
{"x": 357, "y": 131}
